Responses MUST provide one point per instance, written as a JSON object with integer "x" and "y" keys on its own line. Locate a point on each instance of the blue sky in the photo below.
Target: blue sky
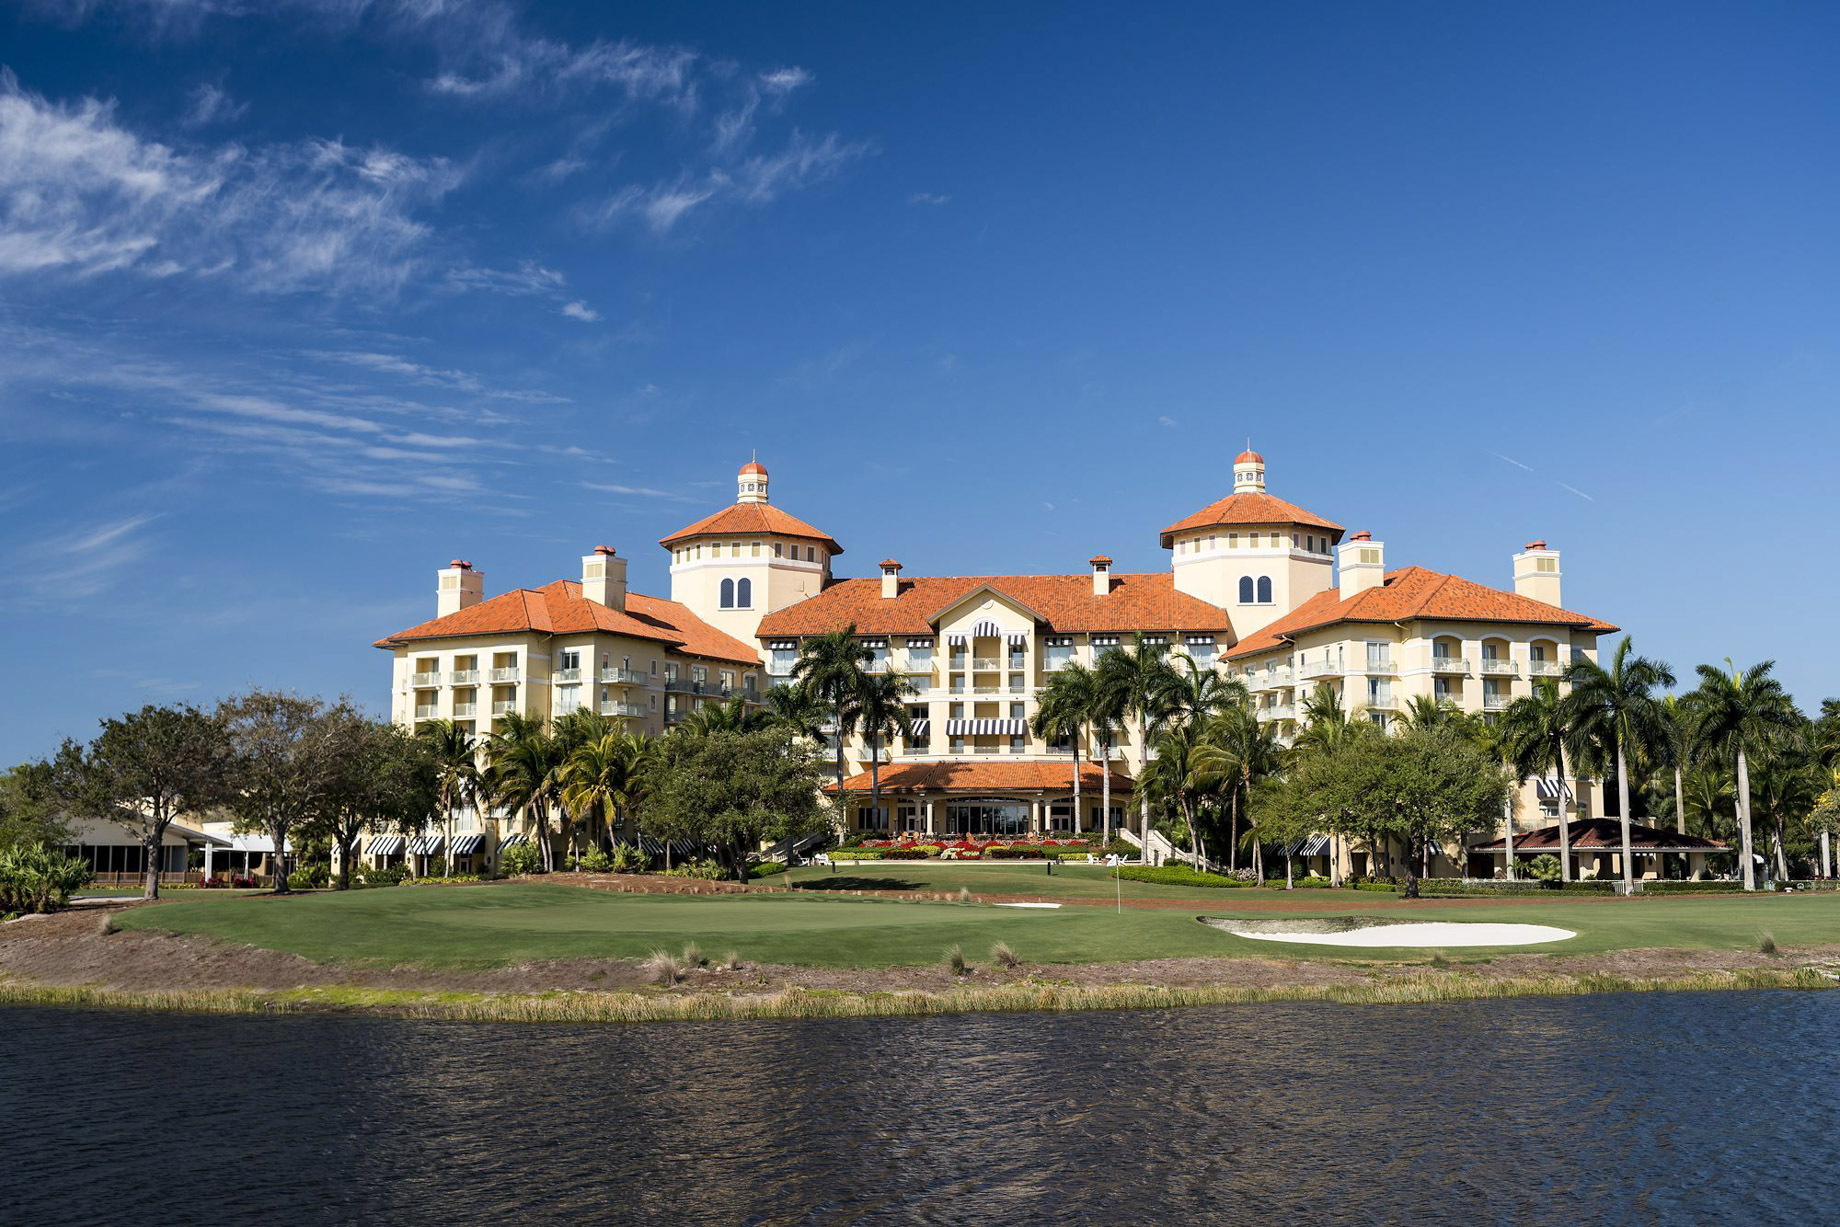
{"x": 298, "y": 300}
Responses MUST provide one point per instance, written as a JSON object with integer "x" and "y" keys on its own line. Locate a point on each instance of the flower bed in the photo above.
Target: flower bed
{"x": 965, "y": 849}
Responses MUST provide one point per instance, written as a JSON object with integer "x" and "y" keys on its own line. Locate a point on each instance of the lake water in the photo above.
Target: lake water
{"x": 1636, "y": 1108}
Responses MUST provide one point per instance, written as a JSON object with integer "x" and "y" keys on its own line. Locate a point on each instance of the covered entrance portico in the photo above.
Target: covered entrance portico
{"x": 990, "y": 800}
{"x": 1597, "y": 845}
{"x": 989, "y": 816}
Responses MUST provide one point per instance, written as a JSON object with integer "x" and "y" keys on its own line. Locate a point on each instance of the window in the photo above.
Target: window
{"x": 570, "y": 659}
{"x": 1202, "y": 654}
{"x": 1549, "y": 566}
{"x": 728, "y": 594}
{"x": 1264, "y": 589}
{"x": 1059, "y": 654}
{"x": 744, "y": 594}
{"x": 1369, "y": 556}
{"x": 1233, "y": 541}
{"x": 654, "y": 668}
{"x": 1536, "y": 651}
{"x": 1245, "y": 590}
{"x": 754, "y": 551}
{"x": 811, "y": 554}
{"x": 1274, "y": 541}
{"x": 1293, "y": 541}
{"x": 778, "y": 552}
{"x": 734, "y": 549}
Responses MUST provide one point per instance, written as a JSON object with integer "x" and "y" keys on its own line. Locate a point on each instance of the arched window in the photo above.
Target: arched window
{"x": 744, "y": 594}
{"x": 1264, "y": 589}
{"x": 728, "y": 594}
{"x": 1245, "y": 590}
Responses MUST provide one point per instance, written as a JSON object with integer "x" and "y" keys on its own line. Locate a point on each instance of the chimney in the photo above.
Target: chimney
{"x": 891, "y": 579}
{"x": 1536, "y": 573}
{"x": 1102, "y": 574}
{"x": 1361, "y": 562}
{"x": 603, "y": 578}
{"x": 458, "y": 588}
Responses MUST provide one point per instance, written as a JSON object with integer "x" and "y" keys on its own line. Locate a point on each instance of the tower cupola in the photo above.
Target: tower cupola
{"x": 1249, "y": 473}
{"x": 751, "y": 483}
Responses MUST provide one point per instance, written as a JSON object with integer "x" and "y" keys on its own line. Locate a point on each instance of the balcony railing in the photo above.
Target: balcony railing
{"x": 1268, "y": 679}
{"x": 505, "y": 675}
{"x": 568, "y": 675}
{"x": 425, "y": 679}
{"x": 624, "y": 677}
{"x": 1545, "y": 668}
{"x": 466, "y": 677}
{"x": 917, "y": 664}
{"x": 1054, "y": 664}
{"x": 426, "y": 711}
{"x": 1381, "y": 702}
{"x": 1450, "y": 664}
{"x": 1496, "y": 702}
{"x": 466, "y": 709}
{"x": 1279, "y": 711}
{"x": 1499, "y": 666}
{"x": 986, "y": 664}
{"x": 501, "y": 706}
{"x": 1320, "y": 668}
{"x": 1377, "y": 664}
{"x": 633, "y": 711}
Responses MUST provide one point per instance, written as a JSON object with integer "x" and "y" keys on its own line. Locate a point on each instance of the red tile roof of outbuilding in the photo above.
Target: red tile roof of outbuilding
{"x": 1064, "y": 602}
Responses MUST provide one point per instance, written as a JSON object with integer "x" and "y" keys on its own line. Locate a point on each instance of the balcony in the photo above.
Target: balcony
{"x": 1377, "y": 664}
{"x": 506, "y": 675}
{"x": 986, "y": 664}
{"x": 1381, "y": 702}
{"x": 624, "y": 677}
{"x": 1320, "y": 668}
{"x": 464, "y": 710}
{"x": 1279, "y": 711}
{"x": 1458, "y": 665}
{"x": 917, "y": 664}
{"x": 1268, "y": 679}
{"x": 1499, "y": 666}
{"x": 630, "y": 711}
{"x": 1545, "y": 668}
{"x": 425, "y": 679}
{"x": 1496, "y": 702}
{"x": 568, "y": 675}
{"x": 466, "y": 677}
{"x": 502, "y": 706}
{"x": 1054, "y": 664}
{"x": 426, "y": 711}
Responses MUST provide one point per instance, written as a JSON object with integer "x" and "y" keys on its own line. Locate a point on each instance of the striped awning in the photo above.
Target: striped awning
{"x": 384, "y": 845}
{"x": 986, "y": 629}
{"x": 1105, "y": 641}
{"x": 1007, "y": 726}
{"x": 920, "y": 643}
{"x": 1060, "y": 641}
{"x": 921, "y": 729}
{"x": 1311, "y": 845}
{"x": 513, "y": 840}
{"x": 1018, "y": 638}
{"x": 875, "y": 643}
{"x": 1154, "y": 639}
{"x": 1551, "y": 790}
{"x": 426, "y": 845}
{"x": 1198, "y": 639}
{"x": 469, "y": 845}
{"x": 957, "y": 641}
{"x": 784, "y": 645}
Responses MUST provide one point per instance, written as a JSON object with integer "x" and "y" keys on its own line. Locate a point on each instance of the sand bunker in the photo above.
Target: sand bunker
{"x": 1046, "y": 905}
{"x": 1374, "y": 931}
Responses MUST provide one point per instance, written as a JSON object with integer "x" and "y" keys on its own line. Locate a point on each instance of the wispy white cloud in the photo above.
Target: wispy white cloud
{"x": 1165, "y": 420}
{"x": 1511, "y": 460}
{"x": 757, "y": 180}
{"x": 80, "y": 562}
{"x": 928, "y": 198}
{"x": 1573, "y": 490}
{"x": 211, "y": 105}
{"x": 581, "y": 311}
{"x": 528, "y": 277}
{"x": 81, "y": 194}
{"x": 635, "y": 491}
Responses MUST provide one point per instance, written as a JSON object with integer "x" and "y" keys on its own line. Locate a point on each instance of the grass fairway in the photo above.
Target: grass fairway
{"x": 485, "y": 926}
{"x": 993, "y": 878}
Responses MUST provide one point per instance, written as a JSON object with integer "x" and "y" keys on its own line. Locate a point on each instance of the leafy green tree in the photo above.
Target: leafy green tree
{"x": 29, "y": 811}
{"x": 379, "y": 777}
{"x": 881, "y": 707}
{"x": 281, "y": 762}
{"x": 1737, "y": 715}
{"x": 456, "y": 757}
{"x": 599, "y": 779}
{"x": 1284, "y": 824}
{"x": 1326, "y": 724}
{"x": 144, "y": 770}
{"x": 735, "y": 716}
{"x": 731, "y": 792}
{"x": 832, "y": 667}
{"x": 1533, "y": 734}
{"x": 521, "y": 775}
{"x": 1138, "y": 681}
{"x": 1610, "y": 713}
{"x": 1065, "y": 705}
{"x": 1241, "y": 750}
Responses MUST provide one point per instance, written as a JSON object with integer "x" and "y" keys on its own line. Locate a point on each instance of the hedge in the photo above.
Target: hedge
{"x": 1176, "y": 875}
{"x": 1690, "y": 888}
{"x": 767, "y": 869}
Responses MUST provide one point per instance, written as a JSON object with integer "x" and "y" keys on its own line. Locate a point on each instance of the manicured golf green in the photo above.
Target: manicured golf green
{"x": 482, "y": 926}
{"x": 991, "y": 878}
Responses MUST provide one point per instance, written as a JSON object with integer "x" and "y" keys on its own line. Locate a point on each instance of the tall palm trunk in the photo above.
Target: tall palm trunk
{"x": 1744, "y": 818}
{"x": 1233, "y": 829}
{"x": 1078, "y": 827}
{"x": 840, "y": 801}
{"x": 1680, "y": 804}
{"x": 1105, "y": 790}
{"x": 1143, "y": 765}
{"x": 875, "y": 777}
{"x": 1507, "y": 820}
{"x": 1622, "y": 800}
{"x": 1782, "y": 861}
{"x": 1565, "y": 827}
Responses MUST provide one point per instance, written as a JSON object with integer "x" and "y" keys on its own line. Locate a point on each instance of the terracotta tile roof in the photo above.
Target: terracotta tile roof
{"x": 1249, "y": 509}
{"x": 1412, "y": 593}
{"x": 970, "y": 775}
{"x": 1607, "y": 833}
{"x": 560, "y": 609}
{"x": 752, "y": 518}
{"x": 1064, "y": 602}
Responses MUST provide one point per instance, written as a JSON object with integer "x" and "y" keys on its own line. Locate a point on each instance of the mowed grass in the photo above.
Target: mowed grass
{"x": 1029, "y": 878}
{"x": 485, "y": 926}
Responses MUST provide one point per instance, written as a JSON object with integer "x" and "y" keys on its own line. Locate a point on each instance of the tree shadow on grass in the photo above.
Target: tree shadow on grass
{"x": 848, "y": 882}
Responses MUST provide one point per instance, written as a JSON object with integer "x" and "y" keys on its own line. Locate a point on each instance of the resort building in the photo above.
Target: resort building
{"x": 1257, "y": 587}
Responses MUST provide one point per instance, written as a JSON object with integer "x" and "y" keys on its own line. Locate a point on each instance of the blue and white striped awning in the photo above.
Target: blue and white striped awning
{"x": 986, "y": 629}
{"x": 957, "y": 641}
{"x": 384, "y": 845}
{"x": 1008, "y": 726}
{"x": 921, "y": 727}
{"x": 1198, "y": 639}
{"x": 1105, "y": 641}
{"x": 426, "y": 845}
{"x": 469, "y": 845}
{"x": 513, "y": 840}
{"x": 1311, "y": 845}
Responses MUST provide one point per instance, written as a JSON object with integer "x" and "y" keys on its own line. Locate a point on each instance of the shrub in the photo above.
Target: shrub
{"x": 628, "y": 858}
{"x": 1686, "y": 888}
{"x": 662, "y": 968}
{"x": 767, "y": 869}
{"x": 388, "y": 875}
{"x": 592, "y": 861}
{"x": 1766, "y": 944}
{"x": 702, "y": 869}
{"x": 903, "y": 854}
{"x": 848, "y": 853}
{"x": 1544, "y": 868}
{"x": 955, "y": 961}
{"x": 693, "y": 955}
{"x": 33, "y": 878}
{"x": 732, "y": 960}
{"x": 1176, "y": 875}
{"x": 1001, "y": 953}
{"x": 1017, "y": 853}
{"x": 521, "y": 859}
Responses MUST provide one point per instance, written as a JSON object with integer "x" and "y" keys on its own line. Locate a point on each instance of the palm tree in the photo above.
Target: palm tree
{"x": 800, "y": 709}
{"x": 735, "y": 716}
{"x": 1675, "y": 752}
{"x": 1063, "y": 709}
{"x": 1326, "y": 724}
{"x": 1532, "y": 740}
{"x": 521, "y": 773}
{"x": 1197, "y": 693}
{"x": 1740, "y": 714}
{"x": 881, "y": 707}
{"x": 1242, "y": 749}
{"x": 1139, "y": 680}
{"x": 1788, "y": 782}
{"x": 456, "y": 764}
{"x": 832, "y": 667}
{"x": 594, "y": 778}
{"x": 571, "y": 731}
{"x": 1614, "y": 711}
{"x": 1186, "y": 766}
{"x": 1104, "y": 716}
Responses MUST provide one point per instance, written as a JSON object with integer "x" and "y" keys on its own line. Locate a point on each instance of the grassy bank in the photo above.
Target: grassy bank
{"x": 1418, "y": 988}
{"x": 496, "y": 926}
